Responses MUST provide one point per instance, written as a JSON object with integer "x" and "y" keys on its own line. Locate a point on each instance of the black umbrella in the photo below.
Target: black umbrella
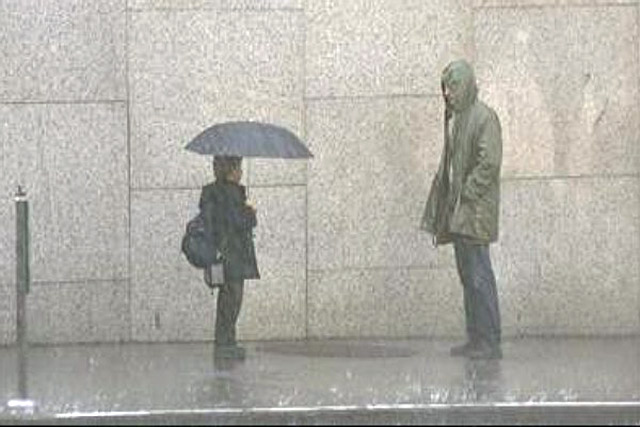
{"x": 249, "y": 139}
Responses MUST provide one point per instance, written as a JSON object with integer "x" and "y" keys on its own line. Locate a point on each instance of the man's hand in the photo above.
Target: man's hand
{"x": 251, "y": 206}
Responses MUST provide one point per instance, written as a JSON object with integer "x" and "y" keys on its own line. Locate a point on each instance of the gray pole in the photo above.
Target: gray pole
{"x": 22, "y": 288}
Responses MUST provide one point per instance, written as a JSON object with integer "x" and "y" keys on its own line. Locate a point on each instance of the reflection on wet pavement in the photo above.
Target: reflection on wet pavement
{"x": 364, "y": 350}
{"x": 321, "y": 374}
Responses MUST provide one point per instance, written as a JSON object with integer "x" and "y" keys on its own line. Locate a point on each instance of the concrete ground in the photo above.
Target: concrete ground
{"x": 539, "y": 380}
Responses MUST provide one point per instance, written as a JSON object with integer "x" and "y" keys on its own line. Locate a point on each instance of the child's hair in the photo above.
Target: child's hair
{"x": 223, "y": 165}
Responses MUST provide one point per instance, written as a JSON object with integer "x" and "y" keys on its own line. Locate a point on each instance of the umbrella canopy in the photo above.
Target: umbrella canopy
{"x": 249, "y": 139}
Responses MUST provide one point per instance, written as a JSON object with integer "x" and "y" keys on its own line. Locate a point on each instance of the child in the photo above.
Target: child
{"x": 229, "y": 217}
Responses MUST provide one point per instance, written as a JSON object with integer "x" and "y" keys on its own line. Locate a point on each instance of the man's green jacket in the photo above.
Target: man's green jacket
{"x": 465, "y": 193}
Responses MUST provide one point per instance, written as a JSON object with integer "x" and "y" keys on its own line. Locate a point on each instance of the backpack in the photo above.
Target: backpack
{"x": 201, "y": 250}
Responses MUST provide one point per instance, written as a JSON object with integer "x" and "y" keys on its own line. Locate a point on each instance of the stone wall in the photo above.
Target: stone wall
{"x": 99, "y": 97}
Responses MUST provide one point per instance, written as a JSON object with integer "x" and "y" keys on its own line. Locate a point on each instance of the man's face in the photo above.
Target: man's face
{"x": 453, "y": 90}
{"x": 235, "y": 175}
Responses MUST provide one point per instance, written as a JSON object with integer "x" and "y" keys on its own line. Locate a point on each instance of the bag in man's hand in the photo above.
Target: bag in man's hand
{"x": 200, "y": 248}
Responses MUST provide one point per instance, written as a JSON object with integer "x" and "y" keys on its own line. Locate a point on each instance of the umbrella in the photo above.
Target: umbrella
{"x": 249, "y": 139}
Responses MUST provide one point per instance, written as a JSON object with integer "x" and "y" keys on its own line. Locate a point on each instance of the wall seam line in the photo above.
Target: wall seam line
{"x": 129, "y": 183}
{"x": 585, "y": 5}
{"x": 321, "y": 98}
{"x": 637, "y": 40}
{"x": 66, "y": 102}
{"x": 306, "y": 192}
{"x": 214, "y": 10}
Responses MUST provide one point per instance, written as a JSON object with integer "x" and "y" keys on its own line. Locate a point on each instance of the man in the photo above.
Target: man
{"x": 463, "y": 205}
{"x": 228, "y": 214}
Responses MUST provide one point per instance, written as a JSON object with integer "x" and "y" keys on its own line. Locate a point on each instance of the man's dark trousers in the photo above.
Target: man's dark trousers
{"x": 482, "y": 313}
{"x": 228, "y": 310}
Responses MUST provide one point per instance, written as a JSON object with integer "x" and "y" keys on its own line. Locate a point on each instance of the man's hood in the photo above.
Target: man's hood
{"x": 462, "y": 71}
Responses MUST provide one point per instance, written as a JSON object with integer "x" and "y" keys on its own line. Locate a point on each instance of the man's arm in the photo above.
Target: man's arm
{"x": 208, "y": 209}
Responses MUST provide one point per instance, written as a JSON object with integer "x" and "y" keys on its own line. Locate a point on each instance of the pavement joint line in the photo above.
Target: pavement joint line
{"x": 344, "y": 408}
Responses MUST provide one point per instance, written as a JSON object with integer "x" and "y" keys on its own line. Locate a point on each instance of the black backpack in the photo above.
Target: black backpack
{"x": 200, "y": 249}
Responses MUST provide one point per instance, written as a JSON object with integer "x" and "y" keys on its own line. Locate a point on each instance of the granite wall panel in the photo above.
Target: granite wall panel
{"x": 363, "y": 48}
{"x": 368, "y": 183}
{"x": 62, "y": 50}
{"x": 72, "y": 161}
{"x": 385, "y": 303}
{"x": 565, "y": 85}
{"x": 569, "y": 253}
{"x": 78, "y": 312}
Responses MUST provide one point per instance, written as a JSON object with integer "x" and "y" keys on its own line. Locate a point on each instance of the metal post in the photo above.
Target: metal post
{"x": 22, "y": 288}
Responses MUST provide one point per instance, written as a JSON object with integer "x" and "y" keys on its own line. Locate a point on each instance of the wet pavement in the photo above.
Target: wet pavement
{"x": 539, "y": 380}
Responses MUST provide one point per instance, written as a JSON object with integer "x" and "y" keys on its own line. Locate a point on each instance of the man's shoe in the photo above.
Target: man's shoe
{"x": 462, "y": 350}
{"x": 485, "y": 352}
